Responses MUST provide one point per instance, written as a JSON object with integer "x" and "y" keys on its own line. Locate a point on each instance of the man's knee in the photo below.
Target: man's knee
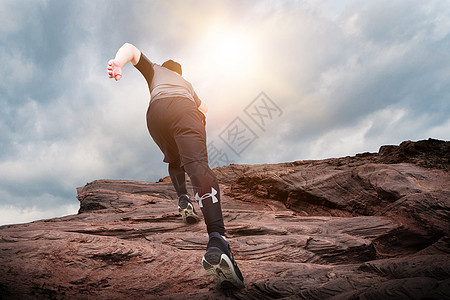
{"x": 202, "y": 177}
{"x": 175, "y": 166}
{"x": 199, "y": 169}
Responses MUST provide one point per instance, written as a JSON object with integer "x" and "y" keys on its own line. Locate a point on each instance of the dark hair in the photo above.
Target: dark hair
{"x": 173, "y": 66}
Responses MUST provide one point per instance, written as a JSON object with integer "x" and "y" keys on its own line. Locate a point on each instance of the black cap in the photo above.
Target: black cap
{"x": 173, "y": 66}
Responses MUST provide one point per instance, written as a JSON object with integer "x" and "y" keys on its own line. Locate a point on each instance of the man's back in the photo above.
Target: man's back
{"x": 167, "y": 83}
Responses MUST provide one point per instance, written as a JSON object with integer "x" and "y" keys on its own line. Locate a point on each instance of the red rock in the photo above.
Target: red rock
{"x": 370, "y": 226}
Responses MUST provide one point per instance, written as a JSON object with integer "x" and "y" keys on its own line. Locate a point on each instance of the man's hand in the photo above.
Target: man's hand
{"x": 124, "y": 55}
{"x": 114, "y": 69}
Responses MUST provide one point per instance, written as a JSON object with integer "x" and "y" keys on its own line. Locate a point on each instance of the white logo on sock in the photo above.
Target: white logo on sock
{"x": 212, "y": 195}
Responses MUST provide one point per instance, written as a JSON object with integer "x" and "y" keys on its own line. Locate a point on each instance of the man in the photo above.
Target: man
{"x": 176, "y": 122}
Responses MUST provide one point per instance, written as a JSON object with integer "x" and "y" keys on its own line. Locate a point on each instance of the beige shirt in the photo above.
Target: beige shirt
{"x": 167, "y": 83}
{"x": 164, "y": 83}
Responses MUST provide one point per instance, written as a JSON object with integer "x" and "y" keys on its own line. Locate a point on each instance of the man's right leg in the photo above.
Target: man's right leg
{"x": 207, "y": 193}
{"x": 185, "y": 126}
{"x": 218, "y": 259}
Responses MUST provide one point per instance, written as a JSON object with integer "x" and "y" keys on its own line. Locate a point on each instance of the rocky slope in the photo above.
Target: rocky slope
{"x": 373, "y": 226}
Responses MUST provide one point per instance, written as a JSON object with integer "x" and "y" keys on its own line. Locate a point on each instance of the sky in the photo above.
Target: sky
{"x": 283, "y": 81}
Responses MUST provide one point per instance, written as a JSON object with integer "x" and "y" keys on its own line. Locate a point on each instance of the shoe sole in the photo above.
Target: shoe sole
{"x": 219, "y": 266}
{"x": 188, "y": 214}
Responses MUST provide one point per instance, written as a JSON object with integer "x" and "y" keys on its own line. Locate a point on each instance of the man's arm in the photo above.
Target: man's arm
{"x": 127, "y": 53}
{"x": 200, "y": 104}
{"x": 203, "y": 108}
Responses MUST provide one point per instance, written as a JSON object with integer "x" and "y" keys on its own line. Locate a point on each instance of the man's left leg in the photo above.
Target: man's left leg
{"x": 185, "y": 206}
{"x": 178, "y": 178}
{"x": 162, "y": 116}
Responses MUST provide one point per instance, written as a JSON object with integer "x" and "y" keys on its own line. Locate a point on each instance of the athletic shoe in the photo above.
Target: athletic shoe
{"x": 187, "y": 211}
{"x": 219, "y": 262}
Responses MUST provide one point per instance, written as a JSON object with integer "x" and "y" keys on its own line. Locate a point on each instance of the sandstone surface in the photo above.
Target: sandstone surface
{"x": 372, "y": 226}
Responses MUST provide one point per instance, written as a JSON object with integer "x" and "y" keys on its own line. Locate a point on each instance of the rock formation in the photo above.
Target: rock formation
{"x": 373, "y": 226}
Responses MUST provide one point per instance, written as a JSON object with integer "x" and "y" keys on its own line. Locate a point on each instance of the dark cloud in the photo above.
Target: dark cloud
{"x": 375, "y": 69}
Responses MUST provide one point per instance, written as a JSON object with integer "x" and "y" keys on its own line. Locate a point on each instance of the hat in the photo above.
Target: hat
{"x": 173, "y": 66}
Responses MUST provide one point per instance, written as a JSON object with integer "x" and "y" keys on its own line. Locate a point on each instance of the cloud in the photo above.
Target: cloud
{"x": 350, "y": 74}
{"x": 63, "y": 122}
{"x": 340, "y": 77}
{"x": 13, "y": 215}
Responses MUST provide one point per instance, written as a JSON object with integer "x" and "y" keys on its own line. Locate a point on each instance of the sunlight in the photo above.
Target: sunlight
{"x": 228, "y": 49}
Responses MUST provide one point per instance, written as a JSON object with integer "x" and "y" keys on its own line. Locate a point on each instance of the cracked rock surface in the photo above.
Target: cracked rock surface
{"x": 372, "y": 226}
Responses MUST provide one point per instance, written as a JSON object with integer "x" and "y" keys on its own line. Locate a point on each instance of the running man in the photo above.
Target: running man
{"x": 176, "y": 122}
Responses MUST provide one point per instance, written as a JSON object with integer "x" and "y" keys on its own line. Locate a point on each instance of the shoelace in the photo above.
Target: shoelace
{"x": 212, "y": 195}
{"x": 183, "y": 199}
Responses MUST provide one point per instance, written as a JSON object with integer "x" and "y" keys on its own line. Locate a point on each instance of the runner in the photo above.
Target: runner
{"x": 176, "y": 121}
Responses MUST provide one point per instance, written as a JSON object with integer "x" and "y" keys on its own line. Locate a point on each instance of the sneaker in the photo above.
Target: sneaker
{"x": 219, "y": 262}
{"x": 187, "y": 211}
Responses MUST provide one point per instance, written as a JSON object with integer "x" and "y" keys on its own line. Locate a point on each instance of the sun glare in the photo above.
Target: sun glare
{"x": 230, "y": 50}
{"x": 229, "y": 60}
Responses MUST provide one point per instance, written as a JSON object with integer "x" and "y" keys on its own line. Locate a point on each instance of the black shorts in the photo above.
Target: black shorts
{"x": 178, "y": 128}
